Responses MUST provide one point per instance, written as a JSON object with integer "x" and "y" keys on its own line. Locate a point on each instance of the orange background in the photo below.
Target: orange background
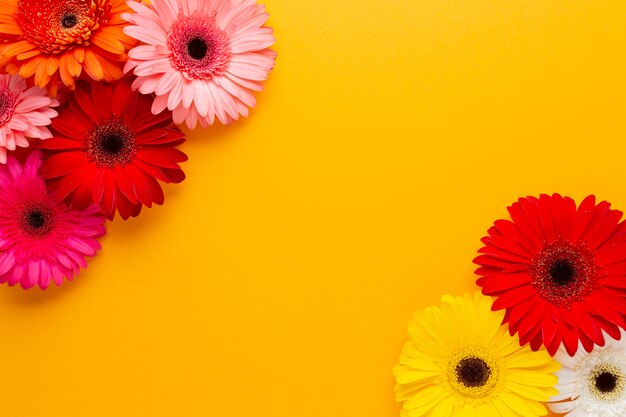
{"x": 277, "y": 281}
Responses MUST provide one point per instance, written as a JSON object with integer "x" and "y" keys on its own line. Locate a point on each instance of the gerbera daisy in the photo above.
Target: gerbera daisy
{"x": 461, "y": 362}
{"x": 201, "y": 59}
{"x": 592, "y": 384}
{"x": 109, "y": 149}
{"x": 24, "y": 112}
{"x": 559, "y": 271}
{"x": 58, "y": 39}
{"x": 41, "y": 239}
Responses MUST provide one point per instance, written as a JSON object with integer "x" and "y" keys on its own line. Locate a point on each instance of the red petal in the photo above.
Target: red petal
{"x": 161, "y": 137}
{"x": 61, "y": 164}
{"x": 97, "y": 190}
{"x": 503, "y": 282}
{"x": 584, "y": 214}
{"x": 157, "y": 157}
{"x": 82, "y": 197}
{"x": 174, "y": 176}
{"x": 563, "y": 214}
{"x": 155, "y": 191}
{"x": 84, "y": 100}
{"x": 604, "y": 229}
{"x": 122, "y": 96}
{"x": 68, "y": 125}
{"x": 60, "y": 143}
{"x": 140, "y": 183}
{"x": 149, "y": 121}
{"x": 107, "y": 205}
{"x": 545, "y": 217}
{"x": 513, "y": 298}
{"x": 126, "y": 186}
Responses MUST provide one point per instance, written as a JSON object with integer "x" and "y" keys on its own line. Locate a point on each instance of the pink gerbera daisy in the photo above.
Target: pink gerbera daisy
{"x": 24, "y": 112}
{"x": 41, "y": 240}
{"x": 202, "y": 58}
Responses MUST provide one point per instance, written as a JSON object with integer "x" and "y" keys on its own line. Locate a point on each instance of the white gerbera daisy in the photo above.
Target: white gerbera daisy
{"x": 592, "y": 384}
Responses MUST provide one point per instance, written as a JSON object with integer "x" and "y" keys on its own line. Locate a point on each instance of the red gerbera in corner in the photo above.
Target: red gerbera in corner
{"x": 558, "y": 270}
{"x": 109, "y": 149}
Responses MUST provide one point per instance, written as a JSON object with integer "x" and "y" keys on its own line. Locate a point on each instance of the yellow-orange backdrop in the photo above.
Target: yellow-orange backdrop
{"x": 278, "y": 279}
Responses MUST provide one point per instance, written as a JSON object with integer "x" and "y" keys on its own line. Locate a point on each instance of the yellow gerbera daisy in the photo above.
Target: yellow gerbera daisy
{"x": 460, "y": 361}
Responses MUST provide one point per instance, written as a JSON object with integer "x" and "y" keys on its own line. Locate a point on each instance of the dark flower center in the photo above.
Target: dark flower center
{"x": 200, "y": 49}
{"x": 37, "y": 219}
{"x": 606, "y": 382}
{"x": 69, "y": 20}
{"x": 473, "y": 372}
{"x": 197, "y": 48}
{"x": 562, "y": 271}
{"x": 111, "y": 144}
{"x": 55, "y": 26}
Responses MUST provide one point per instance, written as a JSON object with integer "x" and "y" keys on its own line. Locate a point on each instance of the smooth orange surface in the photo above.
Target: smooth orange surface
{"x": 277, "y": 280}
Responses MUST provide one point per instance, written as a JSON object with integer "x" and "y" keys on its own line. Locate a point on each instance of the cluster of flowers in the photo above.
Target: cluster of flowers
{"x": 94, "y": 89}
{"x": 546, "y": 328}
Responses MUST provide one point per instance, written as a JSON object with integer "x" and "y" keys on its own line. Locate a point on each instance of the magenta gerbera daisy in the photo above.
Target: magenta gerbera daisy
{"x": 202, "y": 59}
{"x": 24, "y": 113}
{"x": 41, "y": 239}
{"x": 558, "y": 270}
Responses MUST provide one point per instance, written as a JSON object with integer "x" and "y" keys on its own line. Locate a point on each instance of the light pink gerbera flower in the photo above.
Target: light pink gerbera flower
{"x": 41, "y": 240}
{"x": 202, "y": 58}
{"x": 24, "y": 112}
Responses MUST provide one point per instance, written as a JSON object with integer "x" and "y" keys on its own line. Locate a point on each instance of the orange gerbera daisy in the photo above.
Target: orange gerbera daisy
{"x": 56, "y": 40}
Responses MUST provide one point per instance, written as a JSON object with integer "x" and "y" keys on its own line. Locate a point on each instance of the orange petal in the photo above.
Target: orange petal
{"x": 29, "y": 68}
{"x": 10, "y": 29}
{"x": 79, "y": 55}
{"x": 53, "y": 86}
{"x": 66, "y": 77}
{"x": 111, "y": 71}
{"x": 107, "y": 40}
{"x": 73, "y": 66}
{"x": 52, "y": 66}
{"x": 12, "y": 69}
{"x": 92, "y": 65}
{"x": 28, "y": 55}
{"x": 41, "y": 76}
{"x": 18, "y": 48}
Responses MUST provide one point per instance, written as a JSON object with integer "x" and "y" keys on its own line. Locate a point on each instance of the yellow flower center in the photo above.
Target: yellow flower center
{"x": 473, "y": 373}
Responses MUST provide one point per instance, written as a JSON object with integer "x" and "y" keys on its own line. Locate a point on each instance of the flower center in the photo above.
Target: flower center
{"x": 472, "y": 372}
{"x": 55, "y": 25}
{"x": 606, "y": 382}
{"x": 7, "y": 105}
{"x": 37, "y": 219}
{"x": 69, "y": 20}
{"x": 111, "y": 144}
{"x": 563, "y": 272}
{"x": 199, "y": 48}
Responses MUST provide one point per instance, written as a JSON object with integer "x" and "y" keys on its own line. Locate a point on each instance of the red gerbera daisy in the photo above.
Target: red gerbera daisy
{"x": 558, "y": 270}
{"x": 109, "y": 149}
